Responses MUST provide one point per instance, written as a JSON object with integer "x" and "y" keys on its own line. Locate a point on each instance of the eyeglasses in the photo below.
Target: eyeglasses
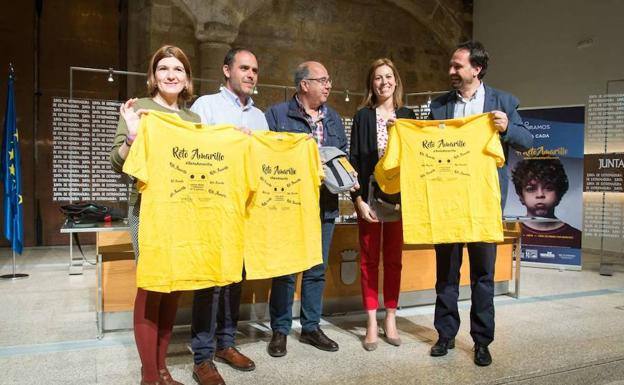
{"x": 324, "y": 81}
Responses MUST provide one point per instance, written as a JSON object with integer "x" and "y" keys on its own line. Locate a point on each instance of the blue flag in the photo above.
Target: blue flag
{"x": 12, "y": 175}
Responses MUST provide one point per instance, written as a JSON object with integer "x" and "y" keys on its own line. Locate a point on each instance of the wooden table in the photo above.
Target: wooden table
{"x": 117, "y": 278}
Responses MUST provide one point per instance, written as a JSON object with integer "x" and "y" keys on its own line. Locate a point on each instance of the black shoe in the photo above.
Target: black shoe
{"x": 277, "y": 346}
{"x": 441, "y": 347}
{"x": 482, "y": 356}
{"x": 319, "y": 340}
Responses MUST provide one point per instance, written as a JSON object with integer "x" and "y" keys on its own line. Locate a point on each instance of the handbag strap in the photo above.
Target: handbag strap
{"x": 395, "y": 207}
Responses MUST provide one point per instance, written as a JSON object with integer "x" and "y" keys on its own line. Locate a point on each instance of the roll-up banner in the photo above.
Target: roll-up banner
{"x": 546, "y": 187}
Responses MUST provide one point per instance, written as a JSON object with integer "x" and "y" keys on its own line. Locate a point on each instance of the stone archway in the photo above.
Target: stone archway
{"x": 445, "y": 18}
{"x": 216, "y": 26}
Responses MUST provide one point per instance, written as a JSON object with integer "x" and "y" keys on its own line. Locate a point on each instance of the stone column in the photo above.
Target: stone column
{"x": 216, "y": 27}
{"x": 211, "y": 54}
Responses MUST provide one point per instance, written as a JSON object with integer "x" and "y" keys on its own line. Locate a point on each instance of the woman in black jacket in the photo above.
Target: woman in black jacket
{"x": 383, "y": 102}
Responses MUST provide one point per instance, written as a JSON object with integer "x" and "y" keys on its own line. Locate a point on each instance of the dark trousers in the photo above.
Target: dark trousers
{"x": 448, "y": 262}
{"x": 215, "y": 318}
{"x": 312, "y": 286}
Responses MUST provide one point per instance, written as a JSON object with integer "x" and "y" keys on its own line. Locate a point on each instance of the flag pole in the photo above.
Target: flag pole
{"x": 13, "y": 275}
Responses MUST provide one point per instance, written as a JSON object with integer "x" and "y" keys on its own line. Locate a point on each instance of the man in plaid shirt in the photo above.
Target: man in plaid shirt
{"x": 307, "y": 112}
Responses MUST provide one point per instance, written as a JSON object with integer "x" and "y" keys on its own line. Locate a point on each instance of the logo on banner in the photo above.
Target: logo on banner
{"x": 566, "y": 256}
{"x": 530, "y": 254}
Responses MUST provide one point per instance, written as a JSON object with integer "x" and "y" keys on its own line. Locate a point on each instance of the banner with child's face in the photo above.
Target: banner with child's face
{"x": 546, "y": 186}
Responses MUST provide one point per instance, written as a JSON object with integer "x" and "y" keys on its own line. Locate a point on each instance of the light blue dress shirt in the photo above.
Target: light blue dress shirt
{"x": 226, "y": 108}
{"x": 471, "y": 106}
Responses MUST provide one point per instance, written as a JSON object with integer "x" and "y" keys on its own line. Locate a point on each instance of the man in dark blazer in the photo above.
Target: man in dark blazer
{"x": 307, "y": 112}
{"x": 469, "y": 96}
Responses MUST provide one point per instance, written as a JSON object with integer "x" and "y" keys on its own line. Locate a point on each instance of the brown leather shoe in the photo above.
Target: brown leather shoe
{"x": 206, "y": 374}
{"x": 166, "y": 379}
{"x": 235, "y": 359}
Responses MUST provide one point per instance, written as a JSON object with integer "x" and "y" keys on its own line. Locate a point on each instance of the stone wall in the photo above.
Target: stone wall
{"x": 345, "y": 35}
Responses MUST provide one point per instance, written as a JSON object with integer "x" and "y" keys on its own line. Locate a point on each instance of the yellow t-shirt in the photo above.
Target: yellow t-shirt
{"x": 446, "y": 173}
{"x": 194, "y": 185}
{"x": 283, "y": 226}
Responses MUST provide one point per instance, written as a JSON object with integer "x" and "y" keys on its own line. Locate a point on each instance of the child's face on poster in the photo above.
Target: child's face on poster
{"x": 540, "y": 198}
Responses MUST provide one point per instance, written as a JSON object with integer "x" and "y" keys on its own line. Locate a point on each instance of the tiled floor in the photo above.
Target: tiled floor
{"x": 567, "y": 328}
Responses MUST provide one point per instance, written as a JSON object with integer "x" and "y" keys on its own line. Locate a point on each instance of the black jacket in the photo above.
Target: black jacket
{"x": 363, "y": 154}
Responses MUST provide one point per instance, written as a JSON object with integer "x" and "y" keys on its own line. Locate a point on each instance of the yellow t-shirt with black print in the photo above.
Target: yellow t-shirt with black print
{"x": 446, "y": 173}
{"x": 283, "y": 226}
{"x": 194, "y": 186}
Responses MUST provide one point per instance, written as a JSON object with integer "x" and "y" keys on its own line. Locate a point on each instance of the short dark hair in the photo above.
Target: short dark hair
{"x": 478, "y": 55}
{"x": 543, "y": 170}
{"x": 229, "y": 56}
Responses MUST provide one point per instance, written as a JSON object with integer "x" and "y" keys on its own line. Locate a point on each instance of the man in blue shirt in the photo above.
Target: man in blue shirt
{"x": 307, "y": 113}
{"x": 233, "y": 104}
{"x": 216, "y": 309}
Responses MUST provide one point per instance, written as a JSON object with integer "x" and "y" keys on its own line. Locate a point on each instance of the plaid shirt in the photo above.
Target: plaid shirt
{"x": 316, "y": 124}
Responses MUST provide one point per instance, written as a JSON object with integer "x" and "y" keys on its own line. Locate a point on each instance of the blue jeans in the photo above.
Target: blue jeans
{"x": 312, "y": 285}
{"x": 215, "y": 319}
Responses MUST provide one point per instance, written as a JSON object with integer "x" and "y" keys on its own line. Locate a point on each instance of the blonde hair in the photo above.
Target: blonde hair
{"x": 164, "y": 52}
{"x": 370, "y": 99}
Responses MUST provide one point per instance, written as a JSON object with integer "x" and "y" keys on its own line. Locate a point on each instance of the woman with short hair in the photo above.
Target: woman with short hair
{"x": 169, "y": 86}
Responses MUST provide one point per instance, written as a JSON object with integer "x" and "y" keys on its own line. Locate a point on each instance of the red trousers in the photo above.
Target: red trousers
{"x": 372, "y": 237}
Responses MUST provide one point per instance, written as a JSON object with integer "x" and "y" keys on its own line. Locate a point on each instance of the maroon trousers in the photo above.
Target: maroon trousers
{"x": 154, "y": 315}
